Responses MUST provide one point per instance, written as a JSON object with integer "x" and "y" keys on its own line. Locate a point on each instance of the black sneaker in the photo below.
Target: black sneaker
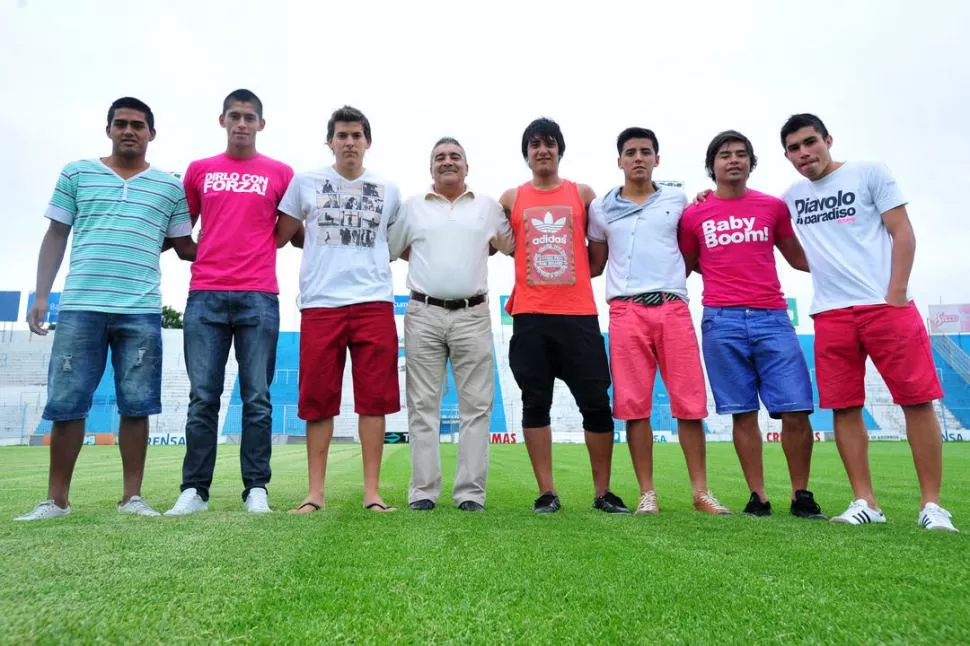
{"x": 757, "y": 508}
{"x": 610, "y": 503}
{"x": 547, "y": 503}
{"x": 804, "y": 506}
{"x": 422, "y": 505}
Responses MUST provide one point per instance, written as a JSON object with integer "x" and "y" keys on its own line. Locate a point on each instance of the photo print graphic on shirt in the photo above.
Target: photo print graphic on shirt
{"x": 549, "y": 245}
{"x": 345, "y": 217}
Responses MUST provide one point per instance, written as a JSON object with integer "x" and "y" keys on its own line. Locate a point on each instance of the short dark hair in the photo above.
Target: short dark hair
{"x": 131, "y": 103}
{"x": 448, "y": 140}
{"x": 348, "y": 114}
{"x": 804, "y": 120}
{"x": 242, "y": 96}
{"x": 727, "y": 137}
{"x": 543, "y": 128}
{"x": 637, "y": 133}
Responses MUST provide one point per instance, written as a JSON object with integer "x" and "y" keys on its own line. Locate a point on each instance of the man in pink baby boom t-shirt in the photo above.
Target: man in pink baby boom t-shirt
{"x": 750, "y": 346}
{"x": 232, "y": 301}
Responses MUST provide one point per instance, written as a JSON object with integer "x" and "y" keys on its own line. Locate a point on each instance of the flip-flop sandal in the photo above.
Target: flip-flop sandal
{"x": 315, "y": 506}
{"x": 380, "y": 506}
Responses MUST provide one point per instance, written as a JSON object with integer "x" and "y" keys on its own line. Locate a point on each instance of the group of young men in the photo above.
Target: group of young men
{"x": 854, "y": 236}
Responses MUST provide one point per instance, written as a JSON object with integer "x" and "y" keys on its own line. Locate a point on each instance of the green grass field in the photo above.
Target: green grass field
{"x": 346, "y": 575}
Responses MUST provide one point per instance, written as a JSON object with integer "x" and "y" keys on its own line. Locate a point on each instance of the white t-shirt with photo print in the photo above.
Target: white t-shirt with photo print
{"x": 345, "y": 255}
{"x": 839, "y": 222}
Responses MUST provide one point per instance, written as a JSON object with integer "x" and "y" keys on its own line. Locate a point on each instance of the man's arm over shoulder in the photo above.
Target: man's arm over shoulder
{"x": 193, "y": 197}
{"x": 687, "y": 239}
{"x": 290, "y": 216}
{"x": 179, "y": 232}
{"x": 586, "y": 194}
{"x": 507, "y": 202}
{"x": 503, "y": 239}
{"x": 399, "y": 229}
{"x": 785, "y": 240}
{"x": 597, "y": 234}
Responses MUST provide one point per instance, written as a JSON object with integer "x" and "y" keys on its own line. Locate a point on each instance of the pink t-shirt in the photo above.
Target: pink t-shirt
{"x": 735, "y": 245}
{"x": 237, "y": 200}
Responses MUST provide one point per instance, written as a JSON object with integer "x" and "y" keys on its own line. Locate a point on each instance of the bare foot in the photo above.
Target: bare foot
{"x": 379, "y": 506}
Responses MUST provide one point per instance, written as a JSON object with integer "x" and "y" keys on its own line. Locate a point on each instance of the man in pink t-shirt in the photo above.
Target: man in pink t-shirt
{"x": 233, "y": 300}
{"x": 750, "y": 345}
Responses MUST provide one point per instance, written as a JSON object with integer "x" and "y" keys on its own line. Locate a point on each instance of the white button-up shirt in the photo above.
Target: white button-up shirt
{"x": 644, "y": 251}
{"x": 449, "y": 242}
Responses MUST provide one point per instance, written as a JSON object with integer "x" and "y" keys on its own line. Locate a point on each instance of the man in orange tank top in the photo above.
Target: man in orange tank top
{"x": 555, "y": 328}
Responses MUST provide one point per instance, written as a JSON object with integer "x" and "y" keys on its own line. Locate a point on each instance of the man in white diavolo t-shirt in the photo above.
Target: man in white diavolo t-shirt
{"x": 852, "y": 221}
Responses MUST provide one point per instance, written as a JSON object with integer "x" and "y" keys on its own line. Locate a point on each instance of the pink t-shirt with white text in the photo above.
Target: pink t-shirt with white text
{"x": 735, "y": 245}
{"x": 237, "y": 200}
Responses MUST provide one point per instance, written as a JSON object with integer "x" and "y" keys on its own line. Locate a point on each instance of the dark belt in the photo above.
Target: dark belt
{"x": 651, "y": 299}
{"x": 449, "y": 304}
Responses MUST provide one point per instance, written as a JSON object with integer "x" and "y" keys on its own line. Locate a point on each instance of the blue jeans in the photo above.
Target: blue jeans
{"x": 79, "y": 356}
{"x": 213, "y": 321}
{"x": 751, "y": 352}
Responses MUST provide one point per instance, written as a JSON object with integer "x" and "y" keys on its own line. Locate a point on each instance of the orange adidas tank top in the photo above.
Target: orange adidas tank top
{"x": 551, "y": 261}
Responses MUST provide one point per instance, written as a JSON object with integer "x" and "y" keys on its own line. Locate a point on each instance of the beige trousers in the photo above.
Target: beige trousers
{"x": 432, "y": 336}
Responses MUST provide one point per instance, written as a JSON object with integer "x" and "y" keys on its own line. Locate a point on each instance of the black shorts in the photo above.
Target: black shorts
{"x": 549, "y": 346}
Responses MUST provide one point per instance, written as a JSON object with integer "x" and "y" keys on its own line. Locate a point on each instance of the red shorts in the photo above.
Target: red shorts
{"x": 644, "y": 338}
{"x": 326, "y": 333}
{"x": 895, "y": 338}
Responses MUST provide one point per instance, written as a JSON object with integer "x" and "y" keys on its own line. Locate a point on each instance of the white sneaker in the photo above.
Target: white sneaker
{"x": 858, "y": 513}
{"x": 935, "y": 518}
{"x": 189, "y": 502}
{"x": 137, "y": 505}
{"x": 45, "y": 510}
{"x": 648, "y": 503}
{"x": 257, "y": 501}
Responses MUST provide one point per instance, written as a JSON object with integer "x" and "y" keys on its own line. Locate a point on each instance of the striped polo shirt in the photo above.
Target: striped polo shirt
{"x": 118, "y": 230}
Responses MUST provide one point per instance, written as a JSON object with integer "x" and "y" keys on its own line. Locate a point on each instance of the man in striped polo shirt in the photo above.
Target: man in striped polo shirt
{"x": 122, "y": 211}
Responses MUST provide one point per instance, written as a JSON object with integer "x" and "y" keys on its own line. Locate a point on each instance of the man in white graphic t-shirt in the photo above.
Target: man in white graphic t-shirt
{"x": 346, "y": 300}
{"x": 853, "y": 224}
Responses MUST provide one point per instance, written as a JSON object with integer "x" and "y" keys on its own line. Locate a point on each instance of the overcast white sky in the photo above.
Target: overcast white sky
{"x": 889, "y": 78}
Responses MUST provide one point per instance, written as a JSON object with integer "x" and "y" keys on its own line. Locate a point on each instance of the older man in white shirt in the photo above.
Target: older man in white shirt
{"x": 447, "y": 234}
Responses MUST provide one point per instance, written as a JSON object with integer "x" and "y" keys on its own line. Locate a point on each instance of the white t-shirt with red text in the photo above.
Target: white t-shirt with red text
{"x": 839, "y": 221}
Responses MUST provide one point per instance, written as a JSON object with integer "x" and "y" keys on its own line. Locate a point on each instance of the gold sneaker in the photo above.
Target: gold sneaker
{"x": 707, "y": 503}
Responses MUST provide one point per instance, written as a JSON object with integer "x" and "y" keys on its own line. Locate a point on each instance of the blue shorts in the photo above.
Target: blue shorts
{"x": 79, "y": 356}
{"x": 752, "y": 352}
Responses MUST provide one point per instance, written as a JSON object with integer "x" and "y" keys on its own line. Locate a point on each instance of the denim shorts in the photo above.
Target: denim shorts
{"x": 79, "y": 356}
{"x": 751, "y": 352}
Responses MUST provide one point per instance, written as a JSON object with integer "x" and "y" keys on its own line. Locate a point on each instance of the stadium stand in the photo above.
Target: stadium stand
{"x": 23, "y": 377}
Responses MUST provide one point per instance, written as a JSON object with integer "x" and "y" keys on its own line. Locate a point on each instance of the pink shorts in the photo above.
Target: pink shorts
{"x": 895, "y": 338}
{"x": 643, "y": 338}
